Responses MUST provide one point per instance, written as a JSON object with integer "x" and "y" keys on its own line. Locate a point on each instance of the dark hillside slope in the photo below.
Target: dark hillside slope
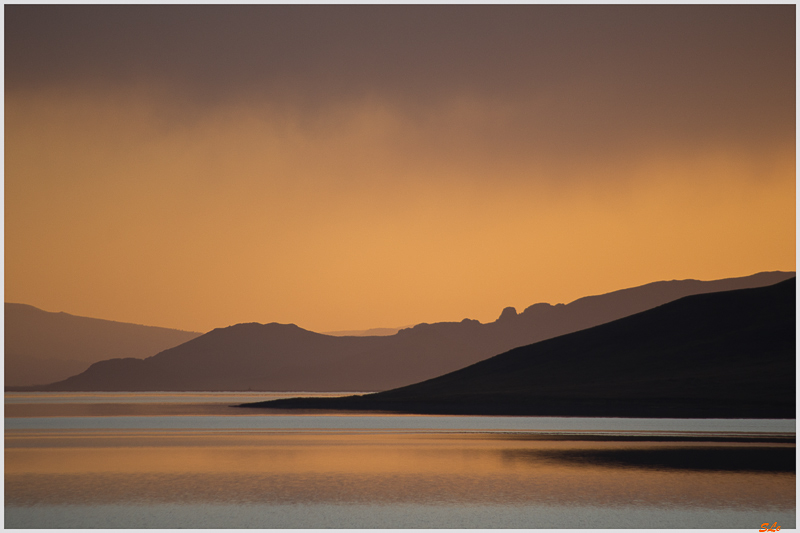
{"x": 728, "y": 354}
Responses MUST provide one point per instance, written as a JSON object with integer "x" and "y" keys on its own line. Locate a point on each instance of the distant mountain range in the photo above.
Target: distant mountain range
{"x": 43, "y": 347}
{"x": 727, "y": 354}
{"x": 276, "y": 357}
{"x": 373, "y": 332}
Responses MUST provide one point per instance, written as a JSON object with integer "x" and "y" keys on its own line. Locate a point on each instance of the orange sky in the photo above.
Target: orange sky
{"x": 391, "y": 165}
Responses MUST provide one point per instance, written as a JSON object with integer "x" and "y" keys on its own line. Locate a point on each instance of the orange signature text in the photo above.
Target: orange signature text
{"x": 765, "y": 526}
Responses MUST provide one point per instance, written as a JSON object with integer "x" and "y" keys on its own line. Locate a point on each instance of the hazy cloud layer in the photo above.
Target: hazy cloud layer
{"x": 653, "y": 70}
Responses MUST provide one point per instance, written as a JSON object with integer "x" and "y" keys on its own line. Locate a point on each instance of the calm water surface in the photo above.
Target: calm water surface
{"x": 167, "y": 460}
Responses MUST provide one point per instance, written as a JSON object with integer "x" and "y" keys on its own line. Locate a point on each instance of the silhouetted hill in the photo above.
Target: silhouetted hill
{"x": 42, "y": 347}
{"x": 727, "y": 354}
{"x": 280, "y": 357}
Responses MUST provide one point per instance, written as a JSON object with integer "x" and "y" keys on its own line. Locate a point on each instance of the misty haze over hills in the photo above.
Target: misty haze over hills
{"x": 276, "y": 357}
{"x": 42, "y": 347}
{"x": 727, "y": 354}
{"x": 372, "y": 332}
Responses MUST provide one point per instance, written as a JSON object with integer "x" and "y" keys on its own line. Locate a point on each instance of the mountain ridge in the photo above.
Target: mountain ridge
{"x": 43, "y": 346}
{"x": 281, "y": 357}
{"x": 728, "y": 354}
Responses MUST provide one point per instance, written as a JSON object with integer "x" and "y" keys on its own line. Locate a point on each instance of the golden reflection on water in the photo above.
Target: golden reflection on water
{"x": 82, "y": 466}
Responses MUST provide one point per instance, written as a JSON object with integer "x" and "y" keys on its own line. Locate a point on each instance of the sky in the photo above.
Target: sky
{"x": 351, "y": 167}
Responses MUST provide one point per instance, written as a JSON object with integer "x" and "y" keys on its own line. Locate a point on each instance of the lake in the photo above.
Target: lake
{"x": 175, "y": 460}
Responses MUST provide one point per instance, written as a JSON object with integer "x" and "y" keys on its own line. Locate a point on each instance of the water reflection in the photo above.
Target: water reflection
{"x": 274, "y": 467}
{"x": 180, "y": 460}
{"x": 708, "y": 458}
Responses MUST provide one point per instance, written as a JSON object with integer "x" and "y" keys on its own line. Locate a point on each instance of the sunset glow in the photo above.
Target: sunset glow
{"x": 438, "y": 164}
